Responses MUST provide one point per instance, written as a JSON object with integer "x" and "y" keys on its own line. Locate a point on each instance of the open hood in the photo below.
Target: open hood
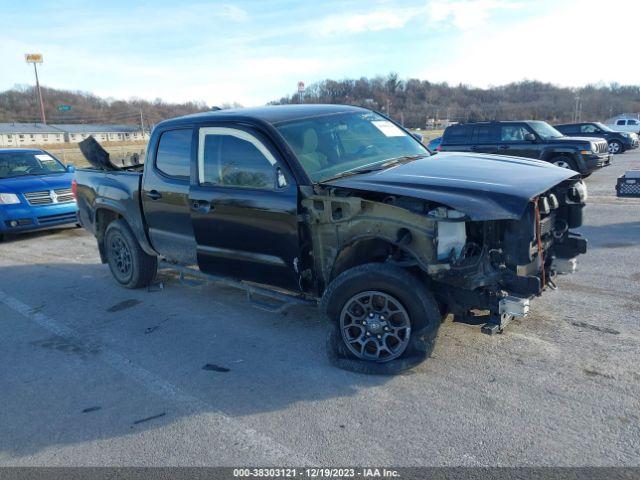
{"x": 484, "y": 187}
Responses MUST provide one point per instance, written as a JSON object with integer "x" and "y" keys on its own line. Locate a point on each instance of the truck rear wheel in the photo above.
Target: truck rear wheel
{"x": 129, "y": 264}
{"x": 384, "y": 319}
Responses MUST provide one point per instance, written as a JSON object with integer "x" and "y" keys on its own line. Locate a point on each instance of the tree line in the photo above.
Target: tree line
{"x": 20, "y": 104}
{"x": 415, "y": 101}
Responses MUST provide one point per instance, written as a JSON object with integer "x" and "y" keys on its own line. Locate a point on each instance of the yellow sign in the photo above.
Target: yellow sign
{"x": 33, "y": 57}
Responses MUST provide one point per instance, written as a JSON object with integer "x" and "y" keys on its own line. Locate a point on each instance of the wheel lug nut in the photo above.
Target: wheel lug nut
{"x": 364, "y": 322}
{"x": 371, "y": 315}
{"x": 379, "y": 337}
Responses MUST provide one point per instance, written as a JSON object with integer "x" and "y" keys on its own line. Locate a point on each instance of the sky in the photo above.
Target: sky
{"x": 254, "y": 51}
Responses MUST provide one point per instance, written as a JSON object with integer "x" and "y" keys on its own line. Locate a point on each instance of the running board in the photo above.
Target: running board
{"x": 282, "y": 300}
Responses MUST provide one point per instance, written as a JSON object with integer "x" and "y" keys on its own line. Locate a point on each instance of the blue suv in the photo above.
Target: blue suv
{"x": 35, "y": 191}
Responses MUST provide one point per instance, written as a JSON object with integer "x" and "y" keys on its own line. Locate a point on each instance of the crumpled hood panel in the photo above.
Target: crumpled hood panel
{"x": 485, "y": 187}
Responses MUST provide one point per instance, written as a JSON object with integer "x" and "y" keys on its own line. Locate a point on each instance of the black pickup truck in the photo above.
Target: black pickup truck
{"x": 344, "y": 207}
{"x": 531, "y": 139}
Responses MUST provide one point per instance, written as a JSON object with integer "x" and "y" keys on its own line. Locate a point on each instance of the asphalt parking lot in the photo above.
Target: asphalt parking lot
{"x": 93, "y": 374}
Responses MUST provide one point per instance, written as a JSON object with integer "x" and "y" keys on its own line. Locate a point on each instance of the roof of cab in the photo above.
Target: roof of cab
{"x": 273, "y": 114}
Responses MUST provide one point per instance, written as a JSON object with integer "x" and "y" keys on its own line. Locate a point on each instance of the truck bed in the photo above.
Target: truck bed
{"x": 99, "y": 191}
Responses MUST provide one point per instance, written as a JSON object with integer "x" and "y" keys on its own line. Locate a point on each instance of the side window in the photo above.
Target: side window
{"x": 512, "y": 133}
{"x": 457, "y": 135}
{"x": 620, "y": 122}
{"x": 632, "y": 122}
{"x": 235, "y": 158}
{"x": 589, "y": 129}
{"x": 483, "y": 134}
{"x": 174, "y": 153}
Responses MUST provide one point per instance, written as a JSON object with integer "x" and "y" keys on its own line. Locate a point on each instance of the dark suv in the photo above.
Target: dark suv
{"x": 618, "y": 141}
{"x": 531, "y": 139}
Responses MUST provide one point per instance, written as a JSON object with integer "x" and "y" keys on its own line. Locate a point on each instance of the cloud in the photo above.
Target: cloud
{"x": 464, "y": 14}
{"x": 374, "y": 21}
{"x": 557, "y": 45}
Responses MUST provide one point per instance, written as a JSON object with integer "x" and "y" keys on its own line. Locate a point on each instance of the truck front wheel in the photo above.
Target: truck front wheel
{"x": 382, "y": 313}
{"x": 129, "y": 264}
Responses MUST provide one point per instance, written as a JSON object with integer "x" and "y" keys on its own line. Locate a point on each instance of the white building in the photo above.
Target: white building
{"x": 26, "y": 134}
{"x": 22, "y": 134}
{"x": 75, "y": 133}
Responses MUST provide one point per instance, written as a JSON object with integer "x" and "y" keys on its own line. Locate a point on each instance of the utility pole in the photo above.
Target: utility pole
{"x": 578, "y": 113}
{"x": 141, "y": 122}
{"x": 36, "y": 58}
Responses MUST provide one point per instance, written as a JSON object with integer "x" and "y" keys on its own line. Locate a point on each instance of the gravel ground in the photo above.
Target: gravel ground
{"x": 93, "y": 374}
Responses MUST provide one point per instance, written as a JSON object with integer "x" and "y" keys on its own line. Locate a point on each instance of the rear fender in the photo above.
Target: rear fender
{"x": 107, "y": 210}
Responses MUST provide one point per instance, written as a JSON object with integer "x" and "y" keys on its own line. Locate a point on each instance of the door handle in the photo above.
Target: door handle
{"x": 475, "y": 148}
{"x": 503, "y": 147}
{"x": 201, "y": 206}
{"x": 154, "y": 195}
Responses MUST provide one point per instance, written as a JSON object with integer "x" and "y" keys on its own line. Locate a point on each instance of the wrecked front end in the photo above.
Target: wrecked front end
{"x": 505, "y": 263}
{"x": 480, "y": 265}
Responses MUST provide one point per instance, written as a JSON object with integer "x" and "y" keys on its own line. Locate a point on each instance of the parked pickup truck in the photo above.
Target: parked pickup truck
{"x": 531, "y": 139}
{"x": 625, "y": 125}
{"x": 340, "y": 205}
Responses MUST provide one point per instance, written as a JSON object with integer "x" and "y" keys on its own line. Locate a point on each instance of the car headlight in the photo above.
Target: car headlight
{"x": 594, "y": 147}
{"x": 626, "y": 135}
{"x": 8, "y": 199}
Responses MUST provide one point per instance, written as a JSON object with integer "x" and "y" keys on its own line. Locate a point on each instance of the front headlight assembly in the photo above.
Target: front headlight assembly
{"x": 8, "y": 199}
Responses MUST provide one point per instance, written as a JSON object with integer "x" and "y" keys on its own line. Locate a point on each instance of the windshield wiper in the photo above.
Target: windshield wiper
{"x": 377, "y": 167}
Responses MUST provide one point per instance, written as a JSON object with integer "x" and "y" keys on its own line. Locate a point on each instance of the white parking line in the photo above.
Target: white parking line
{"x": 226, "y": 426}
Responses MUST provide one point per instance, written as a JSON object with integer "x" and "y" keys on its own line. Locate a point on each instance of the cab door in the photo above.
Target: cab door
{"x": 512, "y": 141}
{"x": 244, "y": 208}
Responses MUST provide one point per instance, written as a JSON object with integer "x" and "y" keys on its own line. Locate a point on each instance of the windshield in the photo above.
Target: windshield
{"x": 331, "y": 145}
{"x": 545, "y": 131}
{"x": 603, "y": 127}
{"x": 18, "y": 164}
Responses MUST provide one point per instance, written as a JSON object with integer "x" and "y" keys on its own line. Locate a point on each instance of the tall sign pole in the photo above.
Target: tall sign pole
{"x": 300, "y": 91}
{"x": 36, "y": 58}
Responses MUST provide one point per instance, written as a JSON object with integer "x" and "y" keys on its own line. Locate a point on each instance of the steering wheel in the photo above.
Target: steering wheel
{"x": 32, "y": 169}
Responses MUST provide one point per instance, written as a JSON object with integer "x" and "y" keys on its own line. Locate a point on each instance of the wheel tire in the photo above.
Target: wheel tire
{"x": 1, "y": 237}
{"x": 401, "y": 288}
{"x": 565, "y": 162}
{"x": 615, "y": 147}
{"x": 129, "y": 264}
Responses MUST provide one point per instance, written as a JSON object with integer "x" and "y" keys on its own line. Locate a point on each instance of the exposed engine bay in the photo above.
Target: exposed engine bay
{"x": 492, "y": 265}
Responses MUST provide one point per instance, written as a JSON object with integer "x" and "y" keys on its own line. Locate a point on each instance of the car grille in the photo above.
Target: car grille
{"x": 46, "y": 197}
{"x": 603, "y": 147}
{"x": 60, "y": 218}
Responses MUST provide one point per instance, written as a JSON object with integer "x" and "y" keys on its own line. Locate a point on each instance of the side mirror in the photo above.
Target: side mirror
{"x": 71, "y": 168}
{"x": 529, "y": 137}
{"x": 417, "y": 136}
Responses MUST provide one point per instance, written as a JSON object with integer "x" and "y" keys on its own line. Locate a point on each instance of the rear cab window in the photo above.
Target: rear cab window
{"x": 173, "y": 157}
